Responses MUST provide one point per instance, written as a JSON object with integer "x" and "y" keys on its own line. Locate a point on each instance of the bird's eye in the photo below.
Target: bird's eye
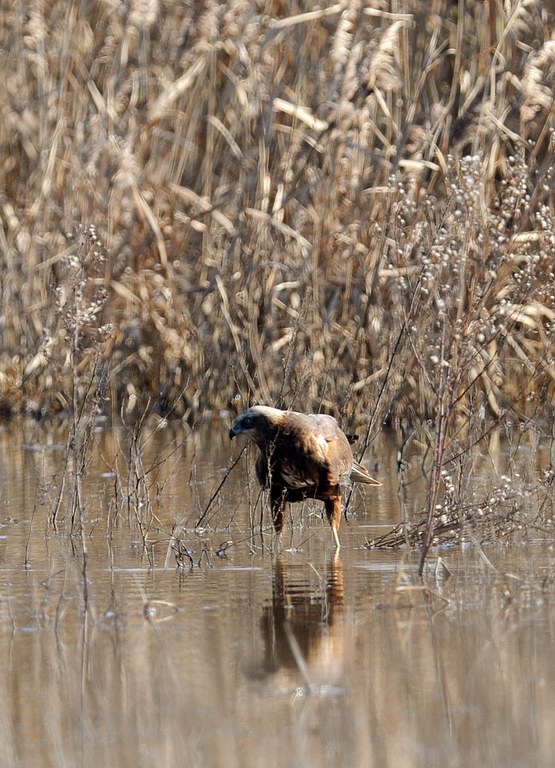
{"x": 247, "y": 422}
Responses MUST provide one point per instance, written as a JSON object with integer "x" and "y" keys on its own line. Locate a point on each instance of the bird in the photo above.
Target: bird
{"x": 302, "y": 455}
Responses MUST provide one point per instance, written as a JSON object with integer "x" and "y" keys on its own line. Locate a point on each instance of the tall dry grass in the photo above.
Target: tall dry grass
{"x": 345, "y": 205}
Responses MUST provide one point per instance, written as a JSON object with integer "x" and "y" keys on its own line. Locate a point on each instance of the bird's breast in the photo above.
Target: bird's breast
{"x": 295, "y": 480}
{"x": 297, "y": 474}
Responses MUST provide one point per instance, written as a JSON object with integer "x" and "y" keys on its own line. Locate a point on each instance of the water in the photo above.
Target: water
{"x": 310, "y": 659}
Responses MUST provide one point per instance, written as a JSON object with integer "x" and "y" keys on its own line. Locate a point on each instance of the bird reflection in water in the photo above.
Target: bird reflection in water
{"x": 302, "y": 626}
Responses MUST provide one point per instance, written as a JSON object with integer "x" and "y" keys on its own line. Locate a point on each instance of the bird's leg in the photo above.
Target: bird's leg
{"x": 333, "y": 512}
{"x": 277, "y": 500}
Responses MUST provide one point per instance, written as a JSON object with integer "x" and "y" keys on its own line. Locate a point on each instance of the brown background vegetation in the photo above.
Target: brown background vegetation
{"x": 340, "y": 205}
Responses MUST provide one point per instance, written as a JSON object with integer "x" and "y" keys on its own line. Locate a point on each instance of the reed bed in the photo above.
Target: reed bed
{"x": 339, "y": 205}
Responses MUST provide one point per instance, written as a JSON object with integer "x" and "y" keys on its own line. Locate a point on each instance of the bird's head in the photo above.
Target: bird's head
{"x": 259, "y": 424}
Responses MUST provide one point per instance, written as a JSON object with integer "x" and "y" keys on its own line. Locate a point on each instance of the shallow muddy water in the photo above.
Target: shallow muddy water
{"x": 240, "y": 658}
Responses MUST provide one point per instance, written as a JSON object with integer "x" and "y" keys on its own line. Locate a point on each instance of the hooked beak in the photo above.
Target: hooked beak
{"x": 233, "y": 432}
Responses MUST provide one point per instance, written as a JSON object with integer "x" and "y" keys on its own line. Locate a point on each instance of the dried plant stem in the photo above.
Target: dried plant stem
{"x": 443, "y": 413}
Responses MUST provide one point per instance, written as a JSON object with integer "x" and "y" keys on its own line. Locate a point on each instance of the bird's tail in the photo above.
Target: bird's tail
{"x": 360, "y": 475}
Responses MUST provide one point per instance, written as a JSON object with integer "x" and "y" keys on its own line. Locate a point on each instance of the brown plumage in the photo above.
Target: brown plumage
{"x": 301, "y": 456}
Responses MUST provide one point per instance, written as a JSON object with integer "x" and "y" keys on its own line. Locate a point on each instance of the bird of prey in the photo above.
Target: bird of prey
{"x": 301, "y": 456}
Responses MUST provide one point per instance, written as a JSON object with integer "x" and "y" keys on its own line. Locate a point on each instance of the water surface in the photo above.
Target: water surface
{"x": 240, "y": 658}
